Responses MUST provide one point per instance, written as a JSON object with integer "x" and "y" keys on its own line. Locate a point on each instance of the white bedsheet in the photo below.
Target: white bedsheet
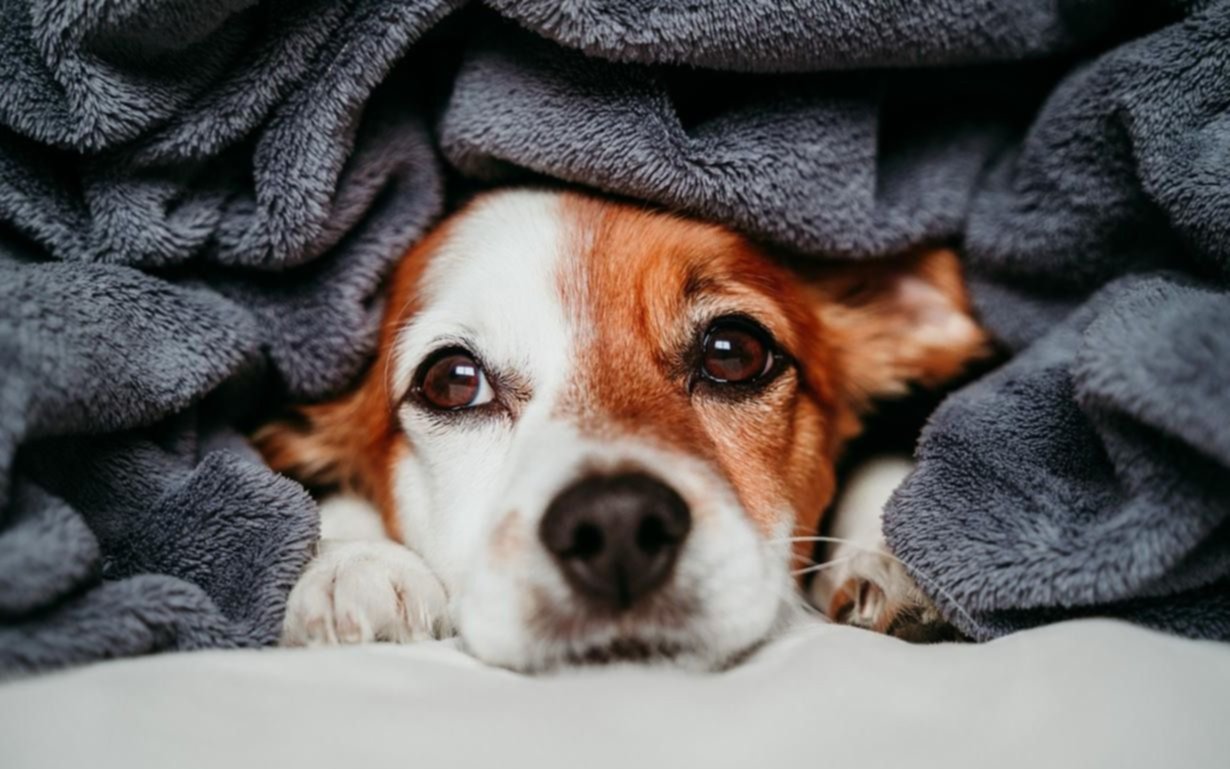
{"x": 1081, "y": 694}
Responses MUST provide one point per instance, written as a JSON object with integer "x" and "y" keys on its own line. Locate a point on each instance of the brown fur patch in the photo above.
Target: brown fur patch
{"x": 897, "y": 321}
{"x": 645, "y": 279}
{"x": 353, "y": 442}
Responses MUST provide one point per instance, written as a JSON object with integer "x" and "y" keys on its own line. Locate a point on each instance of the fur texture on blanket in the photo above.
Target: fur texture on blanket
{"x": 199, "y": 201}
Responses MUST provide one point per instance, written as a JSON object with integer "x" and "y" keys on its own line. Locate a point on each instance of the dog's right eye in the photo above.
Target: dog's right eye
{"x": 452, "y": 379}
{"x": 735, "y": 351}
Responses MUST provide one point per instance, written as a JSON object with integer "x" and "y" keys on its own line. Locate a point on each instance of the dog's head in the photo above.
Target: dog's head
{"x": 601, "y": 425}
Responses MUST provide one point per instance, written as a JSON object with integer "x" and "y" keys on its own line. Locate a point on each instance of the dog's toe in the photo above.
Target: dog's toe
{"x": 872, "y": 590}
{"x": 360, "y": 591}
{"x": 860, "y": 601}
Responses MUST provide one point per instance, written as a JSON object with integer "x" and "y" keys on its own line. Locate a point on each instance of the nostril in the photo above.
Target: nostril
{"x": 587, "y": 541}
{"x": 652, "y": 536}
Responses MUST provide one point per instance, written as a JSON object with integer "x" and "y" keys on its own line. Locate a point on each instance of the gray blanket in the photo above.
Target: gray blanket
{"x": 199, "y": 200}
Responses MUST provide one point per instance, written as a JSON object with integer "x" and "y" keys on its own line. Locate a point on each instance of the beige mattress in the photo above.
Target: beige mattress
{"x": 1080, "y": 694}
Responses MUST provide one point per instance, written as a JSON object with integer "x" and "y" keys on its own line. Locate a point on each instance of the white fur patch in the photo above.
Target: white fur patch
{"x": 345, "y": 516}
{"x": 491, "y": 289}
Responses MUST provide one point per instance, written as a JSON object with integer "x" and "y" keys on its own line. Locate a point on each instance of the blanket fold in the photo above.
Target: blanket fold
{"x": 197, "y": 200}
{"x": 1084, "y": 475}
{"x": 200, "y": 200}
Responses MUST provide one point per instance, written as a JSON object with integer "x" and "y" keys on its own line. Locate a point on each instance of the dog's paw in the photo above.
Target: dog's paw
{"x": 358, "y": 591}
{"x": 872, "y": 590}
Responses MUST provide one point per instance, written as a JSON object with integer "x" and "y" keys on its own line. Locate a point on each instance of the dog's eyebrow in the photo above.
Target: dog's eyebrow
{"x": 695, "y": 283}
{"x": 462, "y": 336}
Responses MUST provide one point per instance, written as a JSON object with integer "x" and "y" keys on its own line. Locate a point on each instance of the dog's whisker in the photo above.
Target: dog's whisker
{"x": 832, "y": 540}
{"x": 823, "y": 566}
{"x": 924, "y": 579}
{"x": 797, "y": 599}
{"x": 803, "y": 558}
{"x": 788, "y": 594}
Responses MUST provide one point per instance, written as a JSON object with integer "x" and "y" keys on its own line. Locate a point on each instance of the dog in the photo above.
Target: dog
{"x": 595, "y": 431}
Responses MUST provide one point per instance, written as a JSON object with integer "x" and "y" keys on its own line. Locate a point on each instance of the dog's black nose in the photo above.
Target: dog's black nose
{"x": 616, "y": 537}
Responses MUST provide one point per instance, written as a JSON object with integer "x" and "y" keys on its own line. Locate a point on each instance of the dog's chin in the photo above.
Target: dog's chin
{"x": 694, "y": 647}
{"x": 628, "y": 651}
{"x": 637, "y": 651}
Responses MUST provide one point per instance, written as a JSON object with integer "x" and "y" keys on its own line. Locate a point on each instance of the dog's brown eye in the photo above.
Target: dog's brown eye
{"x": 452, "y": 379}
{"x": 735, "y": 351}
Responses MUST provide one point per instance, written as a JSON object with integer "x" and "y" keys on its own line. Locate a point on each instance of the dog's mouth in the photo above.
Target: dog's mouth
{"x": 648, "y": 652}
{"x": 663, "y": 630}
{"x": 641, "y": 651}
{"x": 631, "y": 649}
{"x": 662, "y": 633}
{"x": 660, "y": 628}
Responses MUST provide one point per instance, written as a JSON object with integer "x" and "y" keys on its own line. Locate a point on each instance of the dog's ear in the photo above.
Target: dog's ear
{"x": 897, "y": 322}
{"x": 335, "y": 444}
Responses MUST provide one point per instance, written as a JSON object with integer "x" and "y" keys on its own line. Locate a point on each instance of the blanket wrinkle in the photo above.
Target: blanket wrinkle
{"x": 200, "y": 201}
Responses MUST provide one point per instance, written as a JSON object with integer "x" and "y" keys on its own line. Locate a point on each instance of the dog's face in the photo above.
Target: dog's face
{"x": 601, "y": 425}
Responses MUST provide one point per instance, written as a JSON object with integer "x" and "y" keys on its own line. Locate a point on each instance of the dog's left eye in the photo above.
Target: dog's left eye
{"x": 452, "y": 379}
{"x": 736, "y": 351}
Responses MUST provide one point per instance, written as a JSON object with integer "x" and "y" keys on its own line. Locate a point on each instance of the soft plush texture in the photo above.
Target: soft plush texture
{"x": 199, "y": 201}
{"x": 1089, "y": 694}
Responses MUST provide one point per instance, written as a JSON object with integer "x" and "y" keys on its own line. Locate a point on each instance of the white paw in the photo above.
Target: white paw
{"x": 358, "y": 591}
{"x": 871, "y": 589}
